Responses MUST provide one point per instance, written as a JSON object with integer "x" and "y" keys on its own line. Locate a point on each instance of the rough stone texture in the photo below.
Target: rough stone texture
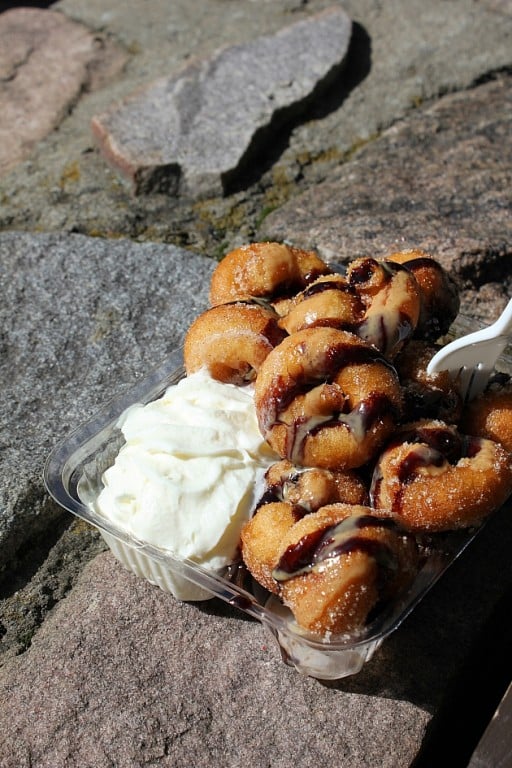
{"x": 440, "y": 180}
{"x": 192, "y": 131}
{"x": 46, "y": 61}
{"x": 117, "y": 673}
{"x": 501, "y": 6}
{"x": 493, "y": 750}
{"x": 402, "y": 53}
{"x": 178, "y": 684}
{"x": 122, "y": 674}
{"x": 80, "y": 318}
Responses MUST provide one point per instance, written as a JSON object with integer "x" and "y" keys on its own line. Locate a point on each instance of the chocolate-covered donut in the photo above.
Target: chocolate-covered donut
{"x": 440, "y": 299}
{"x": 434, "y": 395}
{"x": 391, "y": 296}
{"x": 433, "y": 478}
{"x": 325, "y": 398}
{"x": 337, "y": 565}
{"x": 490, "y": 414}
{"x": 377, "y": 300}
{"x": 327, "y": 301}
{"x": 264, "y": 270}
{"x": 310, "y": 488}
{"x": 291, "y": 493}
{"x": 231, "y": 341}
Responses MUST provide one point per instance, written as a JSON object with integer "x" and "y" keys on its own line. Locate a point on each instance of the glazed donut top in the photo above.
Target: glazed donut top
{"x": 433, "y": 446}
{"x": 440, "y": 301}
{"x": 309, "y": 488}
{"x": 267, "y": 270}
{"x": 392, "y": 297}
{"x": 379, "y": 301}
{"x": 311, "y": 551}
{"x": 334, "y": 350}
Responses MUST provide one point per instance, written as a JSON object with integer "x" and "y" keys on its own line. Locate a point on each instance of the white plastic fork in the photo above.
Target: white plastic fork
{"x": 471, "y": 359}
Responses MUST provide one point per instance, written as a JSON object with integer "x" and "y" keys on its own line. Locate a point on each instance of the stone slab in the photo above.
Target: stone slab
{"x": 81, "y": 318}
{"x": 493, "y": 750}
{"x": 500, "y": 6}
{"x": 402, "y": 53}
{"x": 440, "y": 180}
{"x": 122, "y": 674}
{"x": 46, "y": 61}
{"x": 190, "y": 132}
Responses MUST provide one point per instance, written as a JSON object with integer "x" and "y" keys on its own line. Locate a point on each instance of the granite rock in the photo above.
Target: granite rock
{"x": 401, "y": 54}
{"x": 99, "y": 668}
{"x": 192, "y": 131}
{"x": 81, "y": 319}
{"x": 122, "y": 674}
{"x": 500, "y": 6}
{"x": 182, "y": 684}
{"x": 46, "y": 61}
{"x": 440, "y": 180}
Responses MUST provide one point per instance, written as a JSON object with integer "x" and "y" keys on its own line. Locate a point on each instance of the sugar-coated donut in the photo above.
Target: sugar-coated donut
{"x": 260, "y": 540}
{"x": 440, "y": 301}
{"x": 327, "y": 301}
{"x": 310, "y": 488}
{"x": 392, "y": 298}
{"x": 490, "y": 414}
{"x": 434, "y": 395}
{"x": 325, "y": 398}
{"x": 433, "y": 478}
{"x": 339, "y": 565}
{"x": 231, "y": 341}
{"x": 378, "y": 301}
{"x": 264, "y": 270}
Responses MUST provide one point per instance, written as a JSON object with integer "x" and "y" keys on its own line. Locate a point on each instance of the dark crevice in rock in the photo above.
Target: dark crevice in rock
{"x": 493, "y": 74}
{"x": 27, "y": 556}
{"x": 6, "y": 6}
{"x": 162, "y": 179}
{"x": 47, "y": 570}
{"x": 473, "y": 697}
{"x": 269, "y": 142}
{"x": 488, "y": 266}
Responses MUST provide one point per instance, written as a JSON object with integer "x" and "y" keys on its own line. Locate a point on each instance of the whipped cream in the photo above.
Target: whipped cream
{"x": 187, "y": 477}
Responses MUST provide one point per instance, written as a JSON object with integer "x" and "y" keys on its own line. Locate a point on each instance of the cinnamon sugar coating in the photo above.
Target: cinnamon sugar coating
{"x": 325, "y": 398}
{"x": 231, "y": 341}
{"x": 433, "y": 478}
{"x": 271, "y": 271}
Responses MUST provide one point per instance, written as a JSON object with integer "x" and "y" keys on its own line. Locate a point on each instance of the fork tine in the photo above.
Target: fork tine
{"x": 474, "y": 380}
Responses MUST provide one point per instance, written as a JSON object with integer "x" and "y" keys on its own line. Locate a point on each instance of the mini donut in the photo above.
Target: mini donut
{"x": 264, "y": 270}
{"x": 433, "y": 478}
{"x": 434, "y": 395}
{"x": 490, "y": 414}
{"x": 325, "y": 398}
{"x": 260, "y": 540}
{"x": 340, "y": 565}
{"x": 392, "y": 299}
{"x": 440, "y": 301}
{"x": 231, "y": 341}
{"x": 327, "y": 301}
{"x": 310, "y": 488}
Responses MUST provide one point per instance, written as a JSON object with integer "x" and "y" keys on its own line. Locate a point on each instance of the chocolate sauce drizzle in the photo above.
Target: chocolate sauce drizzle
{"x": 313, "y": 549}
{"x": 358, "y": 420}
{"x": 281, "y": 394}
{"x": 280, "y": 491}
{"x": 432, "y": 447}
{"x": 386, "y": 331}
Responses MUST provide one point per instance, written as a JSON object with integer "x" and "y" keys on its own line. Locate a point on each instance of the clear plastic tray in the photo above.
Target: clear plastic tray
{"x": 73, "y": 476}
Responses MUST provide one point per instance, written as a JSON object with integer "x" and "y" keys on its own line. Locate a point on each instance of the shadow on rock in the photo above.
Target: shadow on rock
{"x": 269, "y": 143}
